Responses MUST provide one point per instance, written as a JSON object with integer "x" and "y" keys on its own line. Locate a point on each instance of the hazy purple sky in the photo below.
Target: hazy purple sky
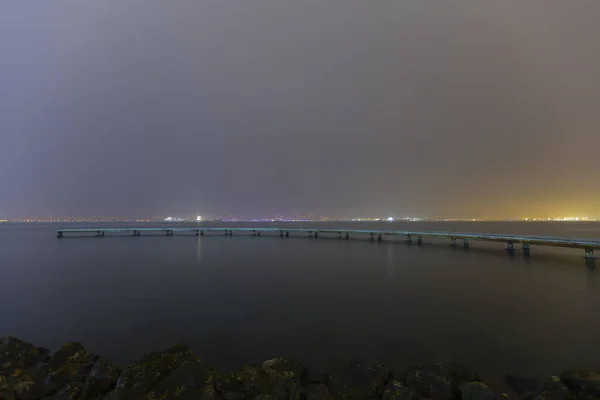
{"x": 416, "y": 107}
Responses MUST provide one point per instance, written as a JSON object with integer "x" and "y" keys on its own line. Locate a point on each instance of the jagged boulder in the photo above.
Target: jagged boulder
{"x": 283, "y": 378}
{"x": 19, "y": 364}
{"x": 478, "y": 391}
{"x": 138, "y": 380}
{"x": 395, "y": 390}
{"x": 317, "y": 392}
{"x": 357, "y": 380}
{"x": 192, "y": 380}
{"x": 439, "y": 381}
{"x": 524, "y": 387}
{"x": 61, "y": 377}
{"x": 15, "y": 353}
{"x": 555, "y": 389}
{"x": 585, "y": 384}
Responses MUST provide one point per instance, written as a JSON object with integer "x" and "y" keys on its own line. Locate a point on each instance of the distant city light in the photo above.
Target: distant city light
{"x": 174, "y": 219}
{"x": 390, "y": 219}
{"x": 199, "y": 218}
{"x": 560, "y": 219}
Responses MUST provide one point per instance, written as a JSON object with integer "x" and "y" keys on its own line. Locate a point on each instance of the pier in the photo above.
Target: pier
{"x": 511, "y": 240}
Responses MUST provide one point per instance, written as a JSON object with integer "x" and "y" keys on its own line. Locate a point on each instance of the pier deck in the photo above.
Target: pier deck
{"x": 587, "y": 245}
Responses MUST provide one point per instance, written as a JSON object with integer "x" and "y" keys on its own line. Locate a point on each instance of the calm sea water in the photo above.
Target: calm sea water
{"x": 236, "y": 299}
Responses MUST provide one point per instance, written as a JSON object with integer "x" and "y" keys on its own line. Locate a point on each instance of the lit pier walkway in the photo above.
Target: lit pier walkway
{"x": 587, "y": 245}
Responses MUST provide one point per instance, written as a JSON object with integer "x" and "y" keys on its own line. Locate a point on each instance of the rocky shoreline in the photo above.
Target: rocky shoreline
{"x": 29, "y": 372}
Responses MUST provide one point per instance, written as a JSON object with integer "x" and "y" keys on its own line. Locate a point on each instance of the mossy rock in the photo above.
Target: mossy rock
{"x": 138, "y": 379}
{"x": 67, "y": 369}
{"x": 317, "y": 392}
{"x": 585, "y": 384}
{"x": 101, "y": 379}
{"x": 478, "y": 391}
{"x": 439, "y": 381}
{"x": 357, "y": 380}
{"x": 16, "y": 387}
{"x": 71, "y": 391}
{"x": 191, "y": 377}
{"x": 395, "y": 390}
{"x": 15, "y": 353}
{"x": 524, "y": 387}
{"x": 280, "y": 377}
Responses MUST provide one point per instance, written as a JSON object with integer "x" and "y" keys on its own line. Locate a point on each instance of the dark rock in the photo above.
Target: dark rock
{"x": 192, "y": 377}
{"x": 357, "y": 380}
{"x": 555, "y": 389}
{"x": 67, "y": 369}
{"x": 60, "y": 378}
{"x": 16, "y": 385}
{"x": 281, "y": 377}
{"x": 71, "y": 391}
{"x": 15, "y": 353}
{"x": 229, "y": 385}
{"x": 439, "y": 381}
{"x": 477, "y": 391}
{"x": 137, "y": 380}
{"x": 317, "y": 392}
{"x": 524, "y": 387}
{"x": 233, "y": 396}
{"x": 534, "y": 389}
{"x": 101, "y": 379}
{"x": 395, "y": 390}
{"x": 585, "y": 384}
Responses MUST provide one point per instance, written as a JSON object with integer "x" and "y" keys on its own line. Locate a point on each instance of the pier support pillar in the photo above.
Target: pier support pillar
{"x": 59, "y": 235}
{"x": 281, "y": 233}
{"x": 526, "y": 249}
{"x": 379, "y": 237}
{"x": 287, "y": 234}
{"x": 347, "y": 236}
{"x": 408, "y": 239}
{"x": 510, "y": 247}
{"x": 257, "y": 233}
{"x": 226, "y": 233}
{"x": 316, "y": 235}
{"x": 419, "y": 239}
{"x": 102, "y": 233}
{"x": 230, "y": 233}
{"x": 589, "y": 254}
{"x": 201, "y": 233}
{"x": 453, "y": 244}
{"x": 466, "y": 243}
{"x": 197, "y": 233}
{"x": 372, "y": 236}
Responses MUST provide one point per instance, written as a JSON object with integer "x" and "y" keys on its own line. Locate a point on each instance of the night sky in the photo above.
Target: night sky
{"x": 417, "y": 107}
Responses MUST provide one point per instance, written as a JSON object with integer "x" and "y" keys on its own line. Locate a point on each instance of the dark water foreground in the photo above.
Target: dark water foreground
{"x": 30, "y": 372}
{"x": 240, "y": 298}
